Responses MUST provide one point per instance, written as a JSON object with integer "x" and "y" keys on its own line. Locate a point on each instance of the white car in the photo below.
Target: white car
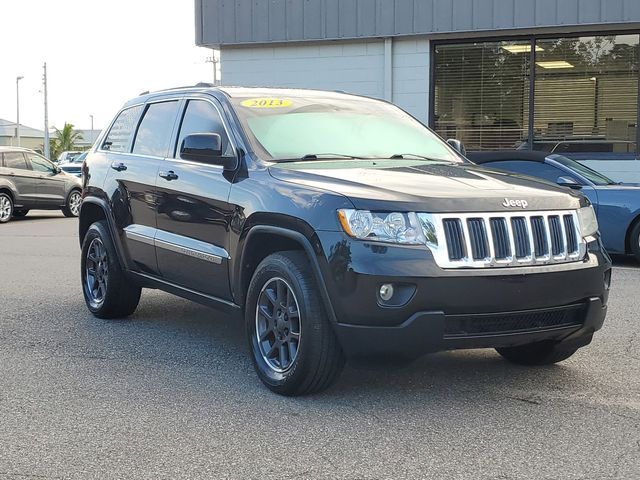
{"x": 68, "y": 156}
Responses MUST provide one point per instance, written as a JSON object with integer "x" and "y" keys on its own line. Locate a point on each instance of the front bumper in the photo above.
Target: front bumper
{"x": 451, "y": 309}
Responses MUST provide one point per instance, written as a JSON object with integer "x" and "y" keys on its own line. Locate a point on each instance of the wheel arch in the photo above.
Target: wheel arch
{"x": 627, "y": 239}
{"x": 263, "y": 240}
{"x": 93, "y": 210}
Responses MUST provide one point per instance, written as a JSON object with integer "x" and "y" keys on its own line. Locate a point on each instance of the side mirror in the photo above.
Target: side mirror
{"x": 457, "y": 145}
{"x": 568, "y": 182}
{"x": 56, "y": 170}
{"x": 202, "y": 147}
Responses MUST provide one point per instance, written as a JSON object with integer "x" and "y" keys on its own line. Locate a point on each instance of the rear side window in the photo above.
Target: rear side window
{"x": 119, "y": 137}
{"x": 154, "y": 132}
{"x": 15, "y": 160}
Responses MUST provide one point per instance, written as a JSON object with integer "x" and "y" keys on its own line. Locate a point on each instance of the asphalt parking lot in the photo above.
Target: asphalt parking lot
{"x": 171, "y": 393}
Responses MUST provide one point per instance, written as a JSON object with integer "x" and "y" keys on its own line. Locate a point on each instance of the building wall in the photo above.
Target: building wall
{"x": 26, "y": 142}
{"x": 235, "y": 22}
{"x": 399, "y": 73}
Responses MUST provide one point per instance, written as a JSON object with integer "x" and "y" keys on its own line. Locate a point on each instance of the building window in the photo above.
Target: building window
{"x": 585, "y": 94}
{"x": 482, "y": 93}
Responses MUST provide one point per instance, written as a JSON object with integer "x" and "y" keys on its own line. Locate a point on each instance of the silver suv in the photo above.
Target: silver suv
{"x": 30, "y": 181}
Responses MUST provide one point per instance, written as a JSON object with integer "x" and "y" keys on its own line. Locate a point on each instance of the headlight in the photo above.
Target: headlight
{"x": 588, "y": 221}
{"x": 394, "y": 227}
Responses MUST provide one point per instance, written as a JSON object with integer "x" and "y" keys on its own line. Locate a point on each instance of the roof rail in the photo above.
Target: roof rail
{"x": 204, "y": 85}
{"x": 146, "y": 92}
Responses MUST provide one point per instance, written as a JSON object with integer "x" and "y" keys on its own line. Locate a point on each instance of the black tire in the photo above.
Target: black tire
{"x": 107, "y": 296}
{"x": 72, "y": 205}
{"x": 634, "y": 240}
{"x": 6, "y": 207}
{"x": 314, "y": 361}
{"x": 20, "y": 213}
{"x": 542, "y": 353}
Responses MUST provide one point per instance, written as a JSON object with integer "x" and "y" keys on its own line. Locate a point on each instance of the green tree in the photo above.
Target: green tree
{"x": 64, "y": 140}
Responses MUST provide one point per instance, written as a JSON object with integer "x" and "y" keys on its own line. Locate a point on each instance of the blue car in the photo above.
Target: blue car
{"x": 617, "y": 205}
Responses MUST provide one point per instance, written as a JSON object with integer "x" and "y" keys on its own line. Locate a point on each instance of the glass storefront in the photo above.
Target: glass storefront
{"x": 585, "y": 93}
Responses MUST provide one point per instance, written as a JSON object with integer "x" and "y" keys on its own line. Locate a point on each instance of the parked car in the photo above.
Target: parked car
{"x": 617, "y": 205}
{"x": 336, "y": 226}
{"x": 68, "y": 156}
{"x": 74, "y": 166}
{"x": 30, "y": 181}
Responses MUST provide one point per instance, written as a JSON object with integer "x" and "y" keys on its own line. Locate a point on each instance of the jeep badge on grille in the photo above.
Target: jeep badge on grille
{"x": 515, "y": 203}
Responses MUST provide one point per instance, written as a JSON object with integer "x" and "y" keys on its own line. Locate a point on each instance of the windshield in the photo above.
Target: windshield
{"x": 326, "y": 125}
{"x": 591, "y": 175}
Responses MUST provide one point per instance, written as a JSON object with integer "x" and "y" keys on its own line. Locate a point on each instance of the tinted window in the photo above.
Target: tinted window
{"x": 39, "y": 164}
{"x": 154, "y": 132}
{"x": 202, "y": 117}
{"x": 121, "y": 132}
{"x": 535, "y": 169}
{"x": 15, "y": 160}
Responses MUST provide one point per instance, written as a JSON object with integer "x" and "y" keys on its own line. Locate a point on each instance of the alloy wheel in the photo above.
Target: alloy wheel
{"x": 5, "y": 208}
{"x": 278, "y": 324}
{"x": 75, "y": 200}
{"x": 96, "y": 272}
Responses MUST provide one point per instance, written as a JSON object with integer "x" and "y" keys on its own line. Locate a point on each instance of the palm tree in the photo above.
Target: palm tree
{"x": 64, "y": 140}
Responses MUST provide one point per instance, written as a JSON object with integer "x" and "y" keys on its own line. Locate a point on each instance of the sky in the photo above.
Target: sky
{"x": 98, "y": 54}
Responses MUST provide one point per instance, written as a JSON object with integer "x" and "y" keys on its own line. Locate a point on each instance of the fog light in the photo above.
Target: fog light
{"x": 386, "y": 292}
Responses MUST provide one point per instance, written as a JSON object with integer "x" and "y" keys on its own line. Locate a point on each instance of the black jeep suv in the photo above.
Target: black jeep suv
{"x": 338, "y": 226}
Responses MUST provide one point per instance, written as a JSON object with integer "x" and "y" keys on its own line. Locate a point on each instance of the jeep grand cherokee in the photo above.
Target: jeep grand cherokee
{"x": 337, "y": 226}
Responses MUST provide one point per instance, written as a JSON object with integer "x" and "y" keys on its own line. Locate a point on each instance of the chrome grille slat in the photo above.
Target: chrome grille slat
{"x": 506, "y": 239}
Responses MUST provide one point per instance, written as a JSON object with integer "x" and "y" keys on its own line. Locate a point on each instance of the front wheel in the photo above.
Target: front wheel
{"x": 72, "y": 207}
{"x": 6, "y": 208}
{"x": 541, "y": 353}
{"x": 293, "y": 347}
{"x": 108, "y": 293}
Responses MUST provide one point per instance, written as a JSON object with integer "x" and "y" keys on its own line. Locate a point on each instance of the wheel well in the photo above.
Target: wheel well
{"x": 89, "y": 214}
{"x": 627, "y": 241}
{"x": 260, "y": 247}
{"x": 8, "y": 192}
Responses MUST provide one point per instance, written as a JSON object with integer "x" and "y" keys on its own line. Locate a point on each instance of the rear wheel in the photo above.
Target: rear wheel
{"x": 6, "y": 208}
{"x": 72, "y": 207}
{"x": 635, "y": 241}
{"x": 108, "y": 293}
{"x": 541, "y": 353}
{"x": 293, "y": 347}
{"x": 20, "y": 213}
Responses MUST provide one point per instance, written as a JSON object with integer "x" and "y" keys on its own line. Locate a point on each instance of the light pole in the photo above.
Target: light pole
{"x": 47, "y": 143}
{"x": 213, "y": 60}
{"x": 92, "y": 140}
{"x": 18, "y": 78}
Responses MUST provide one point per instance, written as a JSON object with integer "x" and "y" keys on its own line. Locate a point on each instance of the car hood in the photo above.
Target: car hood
{"x": 424, "y": 186}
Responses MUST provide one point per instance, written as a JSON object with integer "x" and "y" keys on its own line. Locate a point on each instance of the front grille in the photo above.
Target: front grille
{"x": 505, "y": 239}
{"x": 513, "y": 322}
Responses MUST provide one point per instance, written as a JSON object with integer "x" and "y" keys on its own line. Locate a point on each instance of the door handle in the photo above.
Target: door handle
{"x": 118, "y": 166}
{"x": 170, "y": 175}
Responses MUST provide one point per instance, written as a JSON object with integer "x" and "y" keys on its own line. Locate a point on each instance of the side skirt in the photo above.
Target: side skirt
{"x": 149, "y": 281}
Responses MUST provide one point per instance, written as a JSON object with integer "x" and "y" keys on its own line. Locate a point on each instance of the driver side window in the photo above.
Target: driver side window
{"x": 202, "y": 117}
{"x": 40, "y": 164}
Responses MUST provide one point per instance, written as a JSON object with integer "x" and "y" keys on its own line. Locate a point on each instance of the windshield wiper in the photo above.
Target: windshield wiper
{"x": 318, "y": 156}
{"x": 420, "y": 157}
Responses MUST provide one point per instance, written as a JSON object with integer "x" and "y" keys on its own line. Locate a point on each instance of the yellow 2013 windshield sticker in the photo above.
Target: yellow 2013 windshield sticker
{"x": 266, "y": 103}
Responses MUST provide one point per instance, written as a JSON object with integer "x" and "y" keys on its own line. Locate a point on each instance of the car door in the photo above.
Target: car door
{"x": 18, "y": 171}
{"x": 135, "y": 146}
{"x": 193, "y": 209}
{"x": 51, "y": 187}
